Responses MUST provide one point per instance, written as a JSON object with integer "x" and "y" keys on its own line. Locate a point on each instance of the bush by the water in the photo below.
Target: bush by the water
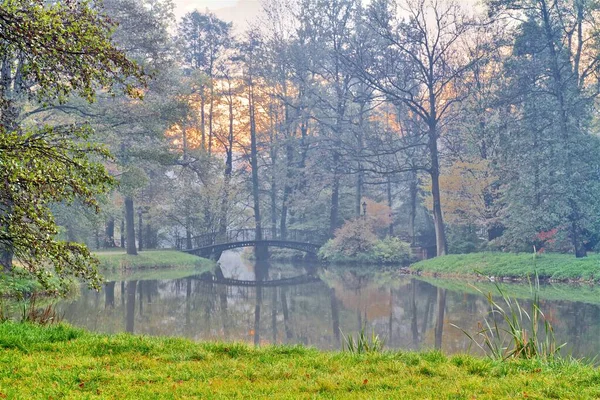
{"x": 356, "y": 242}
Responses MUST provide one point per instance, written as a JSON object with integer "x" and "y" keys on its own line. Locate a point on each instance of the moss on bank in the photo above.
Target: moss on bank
{"x": 549, "y": 266}
{"x": 64, "y": 362}
{"x": 119, "y": 260}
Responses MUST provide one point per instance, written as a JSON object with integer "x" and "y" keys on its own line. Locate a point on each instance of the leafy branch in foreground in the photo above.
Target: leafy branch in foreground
{"x": 38, "y": 168}
{"x": 50, "y": 51}
{"x": 510, "y": 331}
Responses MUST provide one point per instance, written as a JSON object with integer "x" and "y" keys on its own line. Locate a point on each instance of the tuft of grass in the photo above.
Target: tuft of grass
{"x": 511, "y": 331}
{"x": 45, "y": 315}
{"x": 362, "y": 343}
{"x": 119, "y": 260}
{"x": 59, "y": 361}
{"x": 549, "y": 266}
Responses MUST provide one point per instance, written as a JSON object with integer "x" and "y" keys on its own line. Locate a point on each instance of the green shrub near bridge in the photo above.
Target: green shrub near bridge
{"x": 389, "y": 250}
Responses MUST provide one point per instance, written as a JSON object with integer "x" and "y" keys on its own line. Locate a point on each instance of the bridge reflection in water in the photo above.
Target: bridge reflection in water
{"x": 298, "y": 305}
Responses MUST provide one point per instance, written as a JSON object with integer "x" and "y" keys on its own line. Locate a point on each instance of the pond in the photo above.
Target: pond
{"x": 298, "y": 304}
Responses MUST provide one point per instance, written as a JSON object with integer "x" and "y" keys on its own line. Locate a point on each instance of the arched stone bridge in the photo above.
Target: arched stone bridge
{"x": 213, "y": 244}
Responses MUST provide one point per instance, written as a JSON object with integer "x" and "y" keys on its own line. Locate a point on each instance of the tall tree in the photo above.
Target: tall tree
{"x": 423, "y": 63}
{"x": 52, "y": 163}
{"x": 204, "y": 40}
{"x": 553, "y": 86}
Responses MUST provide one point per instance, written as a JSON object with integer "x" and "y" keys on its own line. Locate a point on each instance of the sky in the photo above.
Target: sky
{"x": 236, "y": 11}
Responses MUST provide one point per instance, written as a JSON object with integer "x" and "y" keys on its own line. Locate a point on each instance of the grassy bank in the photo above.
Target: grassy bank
{"x": 21, "y": 284}
{"x": 119, "y": 260}
{"x": 63, "y": 362}
{"x": 572, "y": 292}
{"x": 556, "y": 267}
{"x": 116, "y": 265}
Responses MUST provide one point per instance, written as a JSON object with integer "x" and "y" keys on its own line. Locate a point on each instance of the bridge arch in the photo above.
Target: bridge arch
{"x": 210, "y": 245}
{"x": 208, "y": 251}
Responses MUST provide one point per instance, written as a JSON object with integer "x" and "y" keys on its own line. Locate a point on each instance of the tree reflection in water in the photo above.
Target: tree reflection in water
{"x": 407, "y": 312}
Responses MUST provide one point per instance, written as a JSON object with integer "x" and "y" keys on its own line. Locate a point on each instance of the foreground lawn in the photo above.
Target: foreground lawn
{"x": 560, "y": 267}
{"x": 118, "y": 260}
{"x": 63, "y": 362}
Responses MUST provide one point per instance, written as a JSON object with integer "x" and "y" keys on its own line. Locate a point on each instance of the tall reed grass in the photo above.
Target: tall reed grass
{"x": 512, "y": 330}
{"x": 362, "y": 343}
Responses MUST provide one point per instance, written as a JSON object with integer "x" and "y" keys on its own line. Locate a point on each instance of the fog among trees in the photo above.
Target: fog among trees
{"x": 468, "y": 128}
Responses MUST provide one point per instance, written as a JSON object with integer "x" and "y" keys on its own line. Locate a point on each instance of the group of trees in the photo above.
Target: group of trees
{"x": 472, "y": 125}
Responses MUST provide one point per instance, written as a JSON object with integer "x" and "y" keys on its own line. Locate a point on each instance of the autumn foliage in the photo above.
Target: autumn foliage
{"x": 357, "y": 239}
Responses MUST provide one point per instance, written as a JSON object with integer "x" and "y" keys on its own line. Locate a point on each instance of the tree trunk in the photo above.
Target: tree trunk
{"x": 202, "y": 118}
{"x": 390, "y": 205}
{"x": 109, "y": 233}
{"x": 140, "y": 232}
{"x": 130, "y": 226}
{"x": 211, "y": 115}
{"x": 287, "y": 189}
{"x": 360, "y": 175}
{"x": 7, "y": 258}
{"x": 358, "y": 193}
{"x": 414, "y": 187}
{"x": 335, "y": 197}
{"x": 261, "y": 252}
{"x": 123, "y": 234}
{"x": 273, "y": 206}
{"x": 188, "y": 234}
{"x": 6, "y": 249}
{"x": 228, "y": 171}
{"x": 438, "y": 219}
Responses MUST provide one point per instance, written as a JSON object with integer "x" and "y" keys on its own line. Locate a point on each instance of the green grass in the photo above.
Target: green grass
{"x": 64, "y": 362}
{"x": 119, "y": 260}
{"x": 584, "y": 293}
{"x": 557, "y": 267}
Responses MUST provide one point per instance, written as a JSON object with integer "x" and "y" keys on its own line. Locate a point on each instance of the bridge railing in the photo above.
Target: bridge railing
{"x": 250, "y": 234}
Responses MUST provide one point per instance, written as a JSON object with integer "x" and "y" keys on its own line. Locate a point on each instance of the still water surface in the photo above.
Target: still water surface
{"x": 312, "y": 306}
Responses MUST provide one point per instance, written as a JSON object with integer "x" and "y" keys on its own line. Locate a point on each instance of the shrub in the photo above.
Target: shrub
{"x": 354, "y": 238}
{"x": 464, "y": 240}
{"x": 387, "y": 251}
{"x": 391, "y": 250}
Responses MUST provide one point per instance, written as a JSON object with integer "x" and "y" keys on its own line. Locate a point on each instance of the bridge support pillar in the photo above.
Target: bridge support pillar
{"x": 312, "y": 257}
{"x": 261, "y": 252}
